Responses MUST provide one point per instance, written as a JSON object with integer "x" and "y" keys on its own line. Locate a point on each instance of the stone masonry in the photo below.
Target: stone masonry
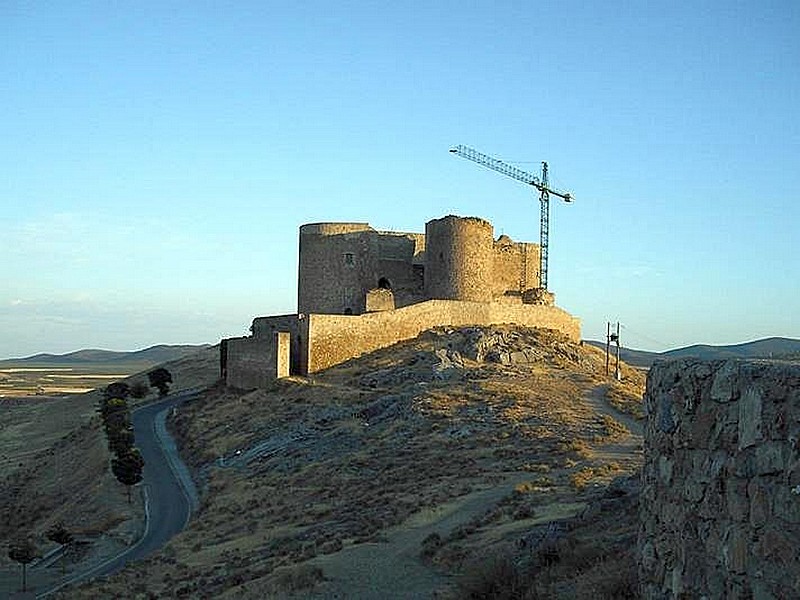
{"x": 360, "y": 290}
{"x": 720, "y": 505}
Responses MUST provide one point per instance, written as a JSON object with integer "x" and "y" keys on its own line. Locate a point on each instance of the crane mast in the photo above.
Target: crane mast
{"x": 540, "y": 184}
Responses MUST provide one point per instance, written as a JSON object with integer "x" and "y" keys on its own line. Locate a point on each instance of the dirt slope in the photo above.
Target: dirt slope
{"x": 394, "y": 470}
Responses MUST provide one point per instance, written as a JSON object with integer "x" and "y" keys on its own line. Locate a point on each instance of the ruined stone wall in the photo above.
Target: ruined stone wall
{"x": 459, "y": 259}
{"x": 340, "y": 262}
{"x": 334, "y": 259}
{"x": 720, "y": 505}
{"x": 515, "y": 267}
{"x": 334, "y": 338}
{"x": 254, "y": 362}
{"x": 265, "y": 328}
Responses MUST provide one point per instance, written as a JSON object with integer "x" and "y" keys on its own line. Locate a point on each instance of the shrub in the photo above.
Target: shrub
{"x": 430, "y": 545}
{"x": 497, "y": 578}
{"x": 139, "y": 390}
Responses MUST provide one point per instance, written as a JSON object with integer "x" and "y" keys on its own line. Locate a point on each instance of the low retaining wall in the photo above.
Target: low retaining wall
{"x": 318, "y": 341}
{"x": 334, "y": 339}
{"x": 720, "y": 505}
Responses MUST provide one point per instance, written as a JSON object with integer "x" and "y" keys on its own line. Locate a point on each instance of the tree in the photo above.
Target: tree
{"x": 61, "y": 536}
{"x": 127, "y": 468}
{"x": 139, "y": 390}
{"x": 120, "y": 440}
{"x": 23, "y": 551}
{"x": 160, "y": 378}
{"x": 111, "y": 406}
{"x": 118, "y": 389}
{"x": 115, "y": 411}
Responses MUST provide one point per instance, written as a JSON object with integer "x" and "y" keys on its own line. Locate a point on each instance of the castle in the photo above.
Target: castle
{"x": 360, "y": 289}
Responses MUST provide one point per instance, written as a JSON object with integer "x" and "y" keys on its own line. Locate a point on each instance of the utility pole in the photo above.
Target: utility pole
{"x": 613, "y": 337}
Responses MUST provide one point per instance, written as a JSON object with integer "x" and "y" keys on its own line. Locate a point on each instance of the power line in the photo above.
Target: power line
{"x": 645, "y": 337}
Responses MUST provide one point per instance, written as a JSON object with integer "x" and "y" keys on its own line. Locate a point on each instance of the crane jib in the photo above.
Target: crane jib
{"x": 530, "y": 179}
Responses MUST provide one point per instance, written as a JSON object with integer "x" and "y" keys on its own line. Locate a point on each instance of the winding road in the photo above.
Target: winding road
{"x": 170, "y": 494}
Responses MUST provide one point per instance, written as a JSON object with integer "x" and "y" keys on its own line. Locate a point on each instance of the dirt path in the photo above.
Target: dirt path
{"x": 626, "y": 450}
{"x": 393, "y": 568}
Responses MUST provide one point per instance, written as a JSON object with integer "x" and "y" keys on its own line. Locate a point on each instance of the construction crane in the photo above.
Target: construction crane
{"x": 540, "y": 184}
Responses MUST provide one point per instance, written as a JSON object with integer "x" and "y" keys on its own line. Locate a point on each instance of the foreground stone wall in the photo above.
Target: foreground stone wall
{"x": 720, "y": 506}
{"x": 334, "y": 339}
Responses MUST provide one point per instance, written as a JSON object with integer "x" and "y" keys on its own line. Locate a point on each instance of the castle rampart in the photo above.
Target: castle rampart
{"x": 335, "y": 338}
{"x": 720, "y": 503}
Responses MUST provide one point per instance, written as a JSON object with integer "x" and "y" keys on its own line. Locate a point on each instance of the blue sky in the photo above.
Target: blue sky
{"x": 157, "y": 158}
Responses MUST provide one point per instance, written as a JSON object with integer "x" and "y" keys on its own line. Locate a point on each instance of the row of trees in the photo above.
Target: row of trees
{"x": 127, "y": 463}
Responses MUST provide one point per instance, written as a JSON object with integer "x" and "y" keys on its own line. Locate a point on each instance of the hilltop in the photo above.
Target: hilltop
{"x": 403, "y": 470}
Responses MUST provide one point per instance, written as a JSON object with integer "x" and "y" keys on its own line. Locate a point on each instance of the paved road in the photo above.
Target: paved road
{"x": 170, "y": 493}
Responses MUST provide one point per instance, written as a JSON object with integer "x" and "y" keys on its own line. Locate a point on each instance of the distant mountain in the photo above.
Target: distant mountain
{"x": 774, "y": 347}
{"x": 153, "y": 355}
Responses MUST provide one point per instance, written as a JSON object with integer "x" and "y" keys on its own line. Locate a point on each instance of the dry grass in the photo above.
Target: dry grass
{"x": 626, "y": 396}
{"x": 361, "y": 448}
{"x": 588, "y": 558}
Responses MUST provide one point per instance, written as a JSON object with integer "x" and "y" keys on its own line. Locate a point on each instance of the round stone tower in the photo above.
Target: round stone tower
{"x": 331, "y": 267}
{"x": 458, "y": 259}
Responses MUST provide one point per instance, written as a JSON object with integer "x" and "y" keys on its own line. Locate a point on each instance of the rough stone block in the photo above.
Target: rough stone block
{"x": 666, "y": 417}
{"x": 725, "y": 385}
{"x": 736, "y": 499}
{"x": 769, "y": 458}
{"x": 735, "y": 549}
{"x": 759, "y": 503}
{"x": 750, "y": 426}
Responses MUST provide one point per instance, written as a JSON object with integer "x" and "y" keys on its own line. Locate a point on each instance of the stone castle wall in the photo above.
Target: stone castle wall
{"x": 339, "y": 263}
{"x": 253, "y": 362}
{"x": 515, "y": 267}
{"x": 720, "y": 505}
{"x": 336, "y": 338}
{"x": 360, "y": 289}
{"x": 459, "y": 259}
{"x": 296, "y": 326}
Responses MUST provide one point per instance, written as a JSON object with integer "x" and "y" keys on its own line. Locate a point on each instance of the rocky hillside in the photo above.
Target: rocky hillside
{"x": 402, "y": 470}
